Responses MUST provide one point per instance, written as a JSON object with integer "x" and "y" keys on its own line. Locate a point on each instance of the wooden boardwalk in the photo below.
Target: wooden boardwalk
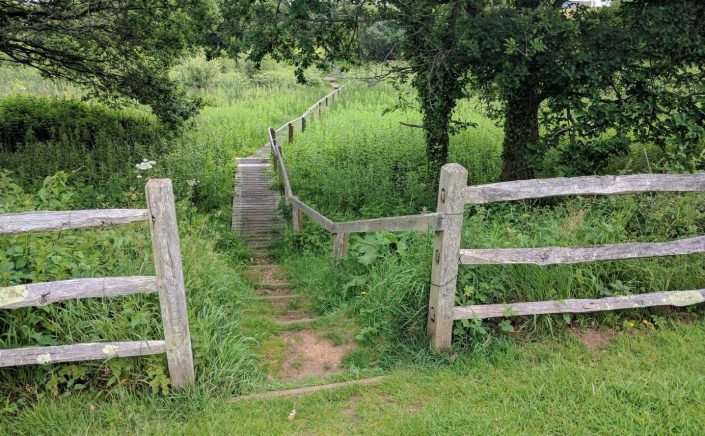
{"x": 255, "y": 202}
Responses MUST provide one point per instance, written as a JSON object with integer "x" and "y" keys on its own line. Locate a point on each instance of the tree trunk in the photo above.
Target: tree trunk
{"x": 521, "y": 134}
{"x": 438, "y": 98}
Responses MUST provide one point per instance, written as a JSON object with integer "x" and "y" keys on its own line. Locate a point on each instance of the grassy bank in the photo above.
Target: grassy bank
{"x": 642, "y": 383}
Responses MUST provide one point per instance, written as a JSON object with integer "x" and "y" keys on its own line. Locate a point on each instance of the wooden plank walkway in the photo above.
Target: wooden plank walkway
{"x": 255, "y": 202}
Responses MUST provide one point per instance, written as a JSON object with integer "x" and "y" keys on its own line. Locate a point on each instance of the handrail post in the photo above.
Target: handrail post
{"x": 303, "y": 124}
{"x": 340, "y": 245}
{"x": 291, "y": 132}
{"x": 273, "y": 144}
{"x": 297, "y": 219}
{"x": 170, "y": 281}
{"x": 319, "y": 110}
{"x": 446, "y": 251}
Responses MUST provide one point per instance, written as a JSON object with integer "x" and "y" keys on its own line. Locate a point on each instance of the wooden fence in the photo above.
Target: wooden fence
{"x": 454, "y": 195}
{"x": 168, "y": 283}
{"x": 447, "y": 223}
{"x": 421, "y": 223}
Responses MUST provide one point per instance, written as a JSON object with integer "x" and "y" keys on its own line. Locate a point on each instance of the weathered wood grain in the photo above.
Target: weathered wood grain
{"x": 297, "y": 219}
{"x": 570, "y": 255}
{"x": 588, "y": 185}
{"x": 419, "y": 223}
{"x": 314, "y": 214}
{"x": 78, "y": 352}
{"x": 340, "y": 245}
{"x": 41, "y": 294}
{"x": 444, "y": 267}
{"x": 170, "y": 281}
{"x": 670, "y": 298}
{"x": 25, "y": 222}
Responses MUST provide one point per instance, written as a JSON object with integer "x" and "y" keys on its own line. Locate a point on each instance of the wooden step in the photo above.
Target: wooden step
{"x": 308, "y": 390}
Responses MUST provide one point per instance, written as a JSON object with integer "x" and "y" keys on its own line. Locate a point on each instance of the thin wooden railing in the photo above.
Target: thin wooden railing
{"x": 420, "y": 223}
{"x": 454, "y": 195}
{"x": 168, "y": 283}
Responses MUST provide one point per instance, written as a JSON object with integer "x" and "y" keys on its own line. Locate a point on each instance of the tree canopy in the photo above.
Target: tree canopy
{"x": 116, "y": 48}
{"x": 584, "y": 82}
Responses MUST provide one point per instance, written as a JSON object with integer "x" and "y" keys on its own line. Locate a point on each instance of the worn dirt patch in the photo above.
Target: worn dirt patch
{"x": 276, "y": 292}
{"x": 272, "y": 276}
{"x": 351, "y": 410}
{"x": 294, "y": 315}
{"x": 282, "y": 306}
{"x": 595, "y": 340}
{"x": 262, "y": 261}
{"x": 308, "y": 355}
{"x": 266, "y": 275}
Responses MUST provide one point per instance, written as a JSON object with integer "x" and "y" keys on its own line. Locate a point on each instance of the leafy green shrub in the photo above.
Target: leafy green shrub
{"x": 40, "y": 136}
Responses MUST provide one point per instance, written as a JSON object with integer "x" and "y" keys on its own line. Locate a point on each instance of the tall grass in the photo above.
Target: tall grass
{"x": 357, "y": 162}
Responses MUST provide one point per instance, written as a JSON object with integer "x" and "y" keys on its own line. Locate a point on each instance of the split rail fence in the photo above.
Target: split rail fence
{"x": 447, "y": 223}
{"x": 168, "y": 283}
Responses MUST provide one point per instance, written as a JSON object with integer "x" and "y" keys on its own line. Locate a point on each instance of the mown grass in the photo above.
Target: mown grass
{"x": 643, "y": 383}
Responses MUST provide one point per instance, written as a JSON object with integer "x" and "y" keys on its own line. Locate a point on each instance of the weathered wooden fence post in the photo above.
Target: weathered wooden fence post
{"x": 446, "y": 252}
{"x": 170, "y": 281}
{"x": 340, "y": 245}
{"x": 275, "y": 150}
{"x": 291, "y": 132}
{"x": 303, "y": 124}
{"x": 326, "y": 101}
{"x": 319, "y": 110}
{"x": 297, "y": 219}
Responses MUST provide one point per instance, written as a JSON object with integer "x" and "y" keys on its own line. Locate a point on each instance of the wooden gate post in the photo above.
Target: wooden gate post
{"x": 340, "y": 245}
{"x": 291, "y": 132}
{"x": 297, "y": 219}
{"x": 170, "y": 281}
{"x": 446, "y": 253}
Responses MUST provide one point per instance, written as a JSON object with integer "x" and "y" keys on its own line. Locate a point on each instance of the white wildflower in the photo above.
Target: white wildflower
{"x": 145, "y": 165}
{"x": 192, "y": 182}
{"x": 139, "y": 176}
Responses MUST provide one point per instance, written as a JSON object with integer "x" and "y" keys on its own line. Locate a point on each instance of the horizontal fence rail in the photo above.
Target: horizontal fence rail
{"x": 27, "y": 222}
{"x": 313, "y": 214}
{"x": 79, "y": 352}
{"x": 41, "y": 294}
{"x": 410, "y": 223}
{"x": 671, "y": 298}
{"x": 569, "y": 255}
{"x": 453, "y": 195}
{"x": 421, "y": 223}
{"x": 588, "y": 185}
{"x": 168, "y": 283}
